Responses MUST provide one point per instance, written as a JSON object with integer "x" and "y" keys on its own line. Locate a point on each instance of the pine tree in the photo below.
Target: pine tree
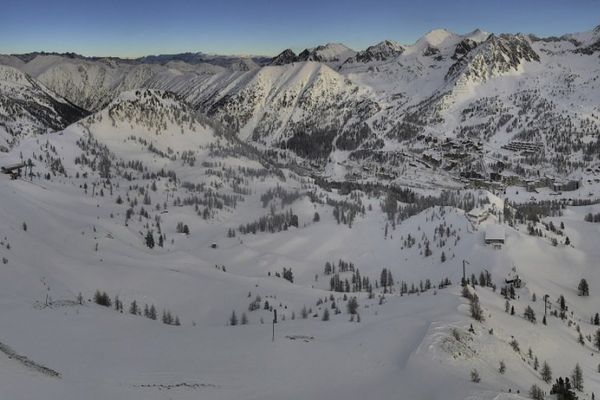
{"x": 502, "y": 368}
{"x": 562, "y": 390}
{"x": 577, "y": 378}
{"x": 133, "y": 308}
{"x": 583, "y": 288}
{"x": 476, "y": 310}
{"x": 233, "y": 319}
{"x": 536, "y": 393}
{"x": 352, "y": 305}
{"x": 475, "y": 376}
{"x": 383, "y": 279}
{"x": 244, "y": 319}
{"x": 304, "y": 312}
{"x": 546, "y": 372}
{"x": 152, "y": 312}
{"x": 427, "y": 249}
{"x": 563, "y": 305}
{"x": 325, "y": 315}
{"x": 597, "y": 339}
{"x": 529, "y": 314}
{"x": 102, "y": 298}
{"x": 150, "y": 239}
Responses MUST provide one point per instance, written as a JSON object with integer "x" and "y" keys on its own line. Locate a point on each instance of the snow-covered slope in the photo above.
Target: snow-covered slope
{"x": 343, "y": 193}
{"x": 71, "y": 234}
{"x": 28, "y": 107}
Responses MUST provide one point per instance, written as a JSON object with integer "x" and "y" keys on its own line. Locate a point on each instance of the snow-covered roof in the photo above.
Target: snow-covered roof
{"x": 495, "y": 232}
{"x": 478, "y": 211}
{"x": 12, "y": 166}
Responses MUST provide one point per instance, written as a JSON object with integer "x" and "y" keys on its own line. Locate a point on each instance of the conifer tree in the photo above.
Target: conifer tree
{"x": 152, "y": 312}
{"x": 133, "y": 308}
{"x": 583, "y": 288}
{"x": 150, "y": 239}
{"x": 529, "y": 314}
{"x": 325, "y": 315}
{"x": 546, "y": 372}
{"x": 476, "y": 310}
{"x": 597, "y": 339}
{"x": 502, "y": 368}
{"x": 536, "y": 393}
{"x": 233, "y": 319}
{"x": 475, "y": 376}
{"x": 352, "y": 305}
{"x": 577, "y": 378}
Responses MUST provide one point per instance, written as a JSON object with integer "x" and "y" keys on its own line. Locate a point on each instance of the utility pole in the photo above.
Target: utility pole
{"x": 464, "y": 277}
{"x": 274, "y": 322}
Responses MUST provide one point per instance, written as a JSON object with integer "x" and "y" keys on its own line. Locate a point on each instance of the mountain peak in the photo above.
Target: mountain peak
{"x": 437, "y": 37}
{"x": 155, "y": 116}
{"x": 285, "y": 57}
{"x": 330, "y": 52}
{"x": 478, "y": 35}
{"x": 496, "y": 56}
{"x": 381, "y": 51}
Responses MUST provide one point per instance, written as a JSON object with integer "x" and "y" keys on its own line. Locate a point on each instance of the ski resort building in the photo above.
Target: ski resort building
{"x": 515, "y": 282}
{"x": 478, "y": 214}
{"x": 495, "y": 235}
{"x": 14, "y": 170}
{"x": 566, "y": 185}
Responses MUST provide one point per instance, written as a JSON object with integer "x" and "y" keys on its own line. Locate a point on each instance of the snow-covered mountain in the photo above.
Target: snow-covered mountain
{"x": 373, "y": 103}
{"x": 147, "y": 246}
{"x": 332, "y": 54}
{"x": 27, "y": 107}
{"x": 443, "y": 87}
{"x": 285, "y": 57}
{"x": 388, "y": 49}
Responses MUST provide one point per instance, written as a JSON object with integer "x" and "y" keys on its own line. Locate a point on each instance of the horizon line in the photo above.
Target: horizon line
{"x": 258, "y": 55}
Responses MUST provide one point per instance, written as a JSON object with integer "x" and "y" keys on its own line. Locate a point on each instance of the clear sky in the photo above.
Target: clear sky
{"x": 129, "y": 28}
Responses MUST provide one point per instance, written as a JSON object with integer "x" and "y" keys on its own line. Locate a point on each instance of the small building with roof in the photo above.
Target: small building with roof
{"x": 495, "y": 235}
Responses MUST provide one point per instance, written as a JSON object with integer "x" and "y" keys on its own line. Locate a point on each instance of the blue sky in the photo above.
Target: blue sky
{"x": 128, "y": 28}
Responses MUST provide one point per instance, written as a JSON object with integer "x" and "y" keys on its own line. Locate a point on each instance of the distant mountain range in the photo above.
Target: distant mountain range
{"x": 376, "y": 112}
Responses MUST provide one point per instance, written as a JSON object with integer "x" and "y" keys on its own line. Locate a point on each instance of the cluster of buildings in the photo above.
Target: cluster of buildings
{"x": 495, "y": 233}
{"x": 556, "y": 184}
